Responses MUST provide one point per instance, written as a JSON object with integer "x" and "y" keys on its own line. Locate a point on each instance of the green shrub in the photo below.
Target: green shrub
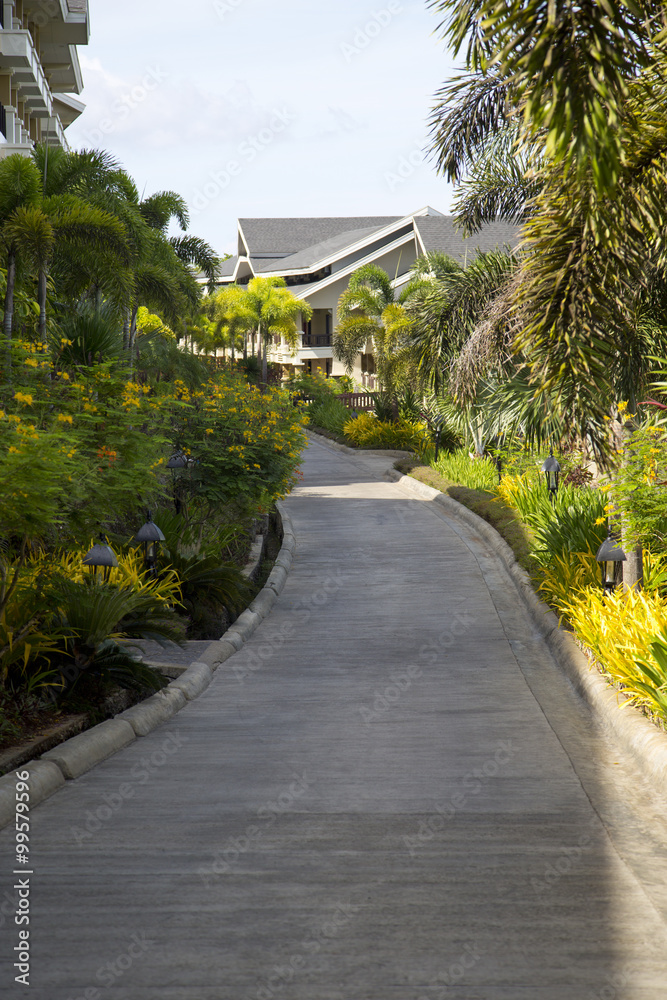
{"x": 366, "y": 431}
{"x": 574, "y": 522}
{"x": 328, "y": 413}
{"x": 460, "y": 468}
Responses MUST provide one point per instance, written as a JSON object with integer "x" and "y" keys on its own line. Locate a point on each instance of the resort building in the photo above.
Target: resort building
{"x": 39, "y": 71}
{"x": 317, "y": 256}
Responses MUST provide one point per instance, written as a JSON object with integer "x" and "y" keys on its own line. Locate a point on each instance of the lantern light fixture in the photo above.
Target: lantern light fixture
{"x": 150, "y": 536}
{"x": 609, "y": 555}
{"x": 101, "y": 556}
{"x": 551, "y": 470}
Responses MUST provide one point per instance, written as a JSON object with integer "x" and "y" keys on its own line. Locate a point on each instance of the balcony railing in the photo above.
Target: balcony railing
{"x": 317, "y": 340}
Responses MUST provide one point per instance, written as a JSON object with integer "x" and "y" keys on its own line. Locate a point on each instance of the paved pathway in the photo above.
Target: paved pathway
{"x": 389, "y": 794}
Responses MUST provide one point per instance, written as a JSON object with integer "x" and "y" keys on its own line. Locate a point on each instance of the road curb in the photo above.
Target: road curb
{"x": 76, "y": 756}
{"x": 79, "y": 754}
{"x": 635, "y": 734}
{"x": 44, "y": 779}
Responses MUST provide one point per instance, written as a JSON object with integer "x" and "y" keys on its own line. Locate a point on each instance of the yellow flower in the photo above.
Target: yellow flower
{"x": 600, "y": 520}
{"x": 31, "y": 363}
{"x": 65, "y": 342}
{"x": 23, "y": 397}
{"x": 622, "y": 407}
{"x": 65, "y": 418}
{"x": 65, "y": 376}
{"x": 209, "y": 430}
{"x": 13, "y": 450}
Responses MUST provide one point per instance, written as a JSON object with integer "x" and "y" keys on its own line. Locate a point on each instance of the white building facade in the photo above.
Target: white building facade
{"x": 40, "y": 71}
{"x": 316, "y": 257}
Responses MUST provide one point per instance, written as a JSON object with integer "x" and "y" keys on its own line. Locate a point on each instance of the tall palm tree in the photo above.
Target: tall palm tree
{"x": 276, "y": 310}
{"x": 19, "y": 190}
{"x": 233, "y": 316}
{"x": 587, "y": 89}
{"x": 360, "y": 308}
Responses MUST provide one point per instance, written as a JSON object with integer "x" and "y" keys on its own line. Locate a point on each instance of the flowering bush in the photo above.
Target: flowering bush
{"x": 405, "y": 435}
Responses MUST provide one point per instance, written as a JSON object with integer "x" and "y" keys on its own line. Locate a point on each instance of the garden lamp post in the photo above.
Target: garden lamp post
{"x": 101, "y": 555}
{"x": 609, "y": 555}
{"x": 438, "y": 434}
{"x": 551, "y": 470}
{"x": 150, "y": 536}
{"x": 499, "y": 467}
{"x": 178, "y": 460}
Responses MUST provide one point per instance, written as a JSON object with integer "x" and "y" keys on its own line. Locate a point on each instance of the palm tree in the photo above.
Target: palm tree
{"x": 360, "y": 308}
{"x": 276, "y": 310}
{"x": 585, "y": 91}
{"x": 233, "y": 316}
{"x": 19, "y": 190}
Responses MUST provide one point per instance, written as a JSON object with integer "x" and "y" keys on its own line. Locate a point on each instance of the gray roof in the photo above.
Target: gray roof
{"x": 441, "y": 234}
{"x": 305, "y": 259}
{"x": 283, "y": 237}
{"x": 226, "y": 269}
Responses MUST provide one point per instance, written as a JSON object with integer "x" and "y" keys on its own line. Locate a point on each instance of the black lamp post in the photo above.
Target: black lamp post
{"x": 438, "y": 434}
{"x": 101, "y": 556}
{"x": 551, "y": 470}
{"x": 499, "y": 466}
{"x": 178, "y": 461}
{"x": 609, "y": 555}
{"x": 150, "y": 536}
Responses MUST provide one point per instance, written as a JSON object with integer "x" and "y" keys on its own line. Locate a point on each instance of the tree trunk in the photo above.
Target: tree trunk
{"x": 126, "y": 330}
{"x": 245, "y": 345}
{"x": 41, "y": 298}
{"x": 9, "y": 304}
{"x": 633, "y": 567}
{"x": 265, "y": 361}
{"x": 133, "y": 332}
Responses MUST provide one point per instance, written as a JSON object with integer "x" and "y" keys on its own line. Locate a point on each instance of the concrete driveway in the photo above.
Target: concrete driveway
{"x": 390, "y": 793}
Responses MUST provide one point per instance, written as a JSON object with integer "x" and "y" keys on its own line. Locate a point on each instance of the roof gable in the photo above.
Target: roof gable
{"x": 274, "y": 238}
{"x": 442, "y": 234}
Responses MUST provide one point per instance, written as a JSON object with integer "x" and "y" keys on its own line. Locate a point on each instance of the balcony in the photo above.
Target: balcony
{"x": 17, "y": 52}
{"x": 317, "y": 340}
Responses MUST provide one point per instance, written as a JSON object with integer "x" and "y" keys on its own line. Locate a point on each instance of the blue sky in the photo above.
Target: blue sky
{"x": 267, "y": 108}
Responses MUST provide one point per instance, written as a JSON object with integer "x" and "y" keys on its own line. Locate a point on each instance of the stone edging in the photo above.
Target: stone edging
{"x": 359, "y": 452}
{"x": 631, "y": 730}
{"x": 635, "y": 734}
{"x": 79, "y": 754}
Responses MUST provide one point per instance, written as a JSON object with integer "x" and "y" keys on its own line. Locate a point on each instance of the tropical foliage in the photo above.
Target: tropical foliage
{"x": 96, "y": 394}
